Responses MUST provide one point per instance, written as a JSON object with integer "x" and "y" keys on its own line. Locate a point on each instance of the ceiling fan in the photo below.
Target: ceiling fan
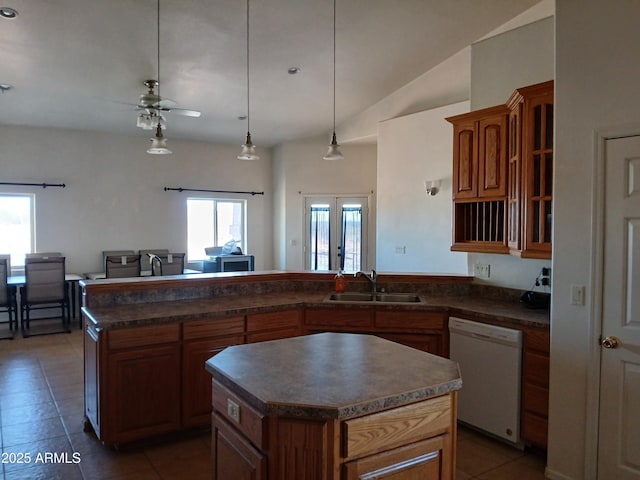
{"x": 153, "y": 102}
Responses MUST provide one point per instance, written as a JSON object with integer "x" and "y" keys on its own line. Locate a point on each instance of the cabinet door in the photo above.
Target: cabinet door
{"x": 425, "y": 460}
{"x": 538, "y": 174}
{"x": 465, "y": 160}
{"x": 142, "y": 398}
{"x": 492, "y": 156}
{"x": 91, "y": 379}
{"x": 196, "y": 386}
{"x": 233, "y": 456}
{"x": 432, "y": 343}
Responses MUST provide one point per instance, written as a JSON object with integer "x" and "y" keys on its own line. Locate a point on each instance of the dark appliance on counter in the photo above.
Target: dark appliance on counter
{"x": 231, "y": 262}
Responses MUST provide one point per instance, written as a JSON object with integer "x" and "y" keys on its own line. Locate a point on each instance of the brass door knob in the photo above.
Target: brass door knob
{"x": 610, "y": 342}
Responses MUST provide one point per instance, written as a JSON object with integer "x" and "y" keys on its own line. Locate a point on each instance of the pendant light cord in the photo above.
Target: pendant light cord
{"x": 158, "y": 48}
{"x": 248, "y": 103}
{"x": 334, "y": 66}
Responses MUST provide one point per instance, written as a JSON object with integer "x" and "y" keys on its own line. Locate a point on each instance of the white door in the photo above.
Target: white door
{"x": 336, "y": 233}
{"x": 619, "y": 419}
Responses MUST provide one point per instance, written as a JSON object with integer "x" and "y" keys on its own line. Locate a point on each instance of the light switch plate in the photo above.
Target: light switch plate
{"x": 577, "y": 294}
{"x": 482, "y": 270}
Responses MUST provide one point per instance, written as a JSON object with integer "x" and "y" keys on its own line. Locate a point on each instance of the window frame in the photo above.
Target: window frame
{"x": 17, "y": 260}
{"x": 217, "y": 200}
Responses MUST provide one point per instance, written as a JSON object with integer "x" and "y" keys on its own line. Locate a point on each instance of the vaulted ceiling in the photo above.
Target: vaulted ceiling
{"x": 81, "y": 63}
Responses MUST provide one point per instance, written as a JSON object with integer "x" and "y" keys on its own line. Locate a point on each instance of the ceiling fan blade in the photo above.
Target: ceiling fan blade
{"x": 184, "y": 111}
{"x": 165, "y": 103}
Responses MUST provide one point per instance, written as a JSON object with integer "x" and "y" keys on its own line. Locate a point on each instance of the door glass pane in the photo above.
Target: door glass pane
{"x": 549, "y": 125}
{"x": 351, "y": 241}
{"x": 537, "y": 165}
{"x": 229, "y": 226}
{"x": 536, "y": 221}
{"x": 319, "y": 235}
{"x": 548, "y": 173}
{"x": 200, "y": 227}
{"x": 537, "y": 127}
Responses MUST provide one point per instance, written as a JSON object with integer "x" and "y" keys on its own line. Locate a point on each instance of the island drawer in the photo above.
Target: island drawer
{"x": 143, "y": 336}
{"x": 239, "y": 414}
{"x": 214, "y": 327}
{"x": 399, "y": 426}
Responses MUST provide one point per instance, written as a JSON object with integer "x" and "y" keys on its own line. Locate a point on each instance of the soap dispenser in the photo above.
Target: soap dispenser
{"x": 339, "y": 278}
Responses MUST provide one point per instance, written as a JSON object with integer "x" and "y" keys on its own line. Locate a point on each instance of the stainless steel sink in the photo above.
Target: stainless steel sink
{"x": 378, "y": 297}
{"x": 398, "y": 297}
{"x": 351, "y": 297}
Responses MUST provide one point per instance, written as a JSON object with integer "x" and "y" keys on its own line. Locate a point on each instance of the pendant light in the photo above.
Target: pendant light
{"x": 248, "y": 151}
{"x": 159, "y": 143}
{"x": 334, "y": 153}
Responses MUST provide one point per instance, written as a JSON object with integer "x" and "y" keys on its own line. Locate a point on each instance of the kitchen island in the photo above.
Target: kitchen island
{"x": 333, "y": 406}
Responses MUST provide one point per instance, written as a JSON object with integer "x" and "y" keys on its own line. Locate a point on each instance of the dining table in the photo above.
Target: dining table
{"x": 71, "y": 279}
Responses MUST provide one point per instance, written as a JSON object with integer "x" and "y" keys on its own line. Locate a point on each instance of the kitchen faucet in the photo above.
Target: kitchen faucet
{"x": 372, "y": 279}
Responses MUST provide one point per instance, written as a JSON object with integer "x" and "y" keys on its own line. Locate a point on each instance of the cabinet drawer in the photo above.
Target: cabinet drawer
{"x": 215, "y": 327}
{"x": 143, "y": 336}
{"x": 534, "y": 429}
{"x": 536, "y": 399}
{"x": 347, "y": 318}
{"x": 536, "y": 368}
{"x": 282, "y": 319}
{"x": 537, "y": 339}
{"x": 399, "y": 426}
{"x": 239, "y": 414}
{"x": 410, "y": 319}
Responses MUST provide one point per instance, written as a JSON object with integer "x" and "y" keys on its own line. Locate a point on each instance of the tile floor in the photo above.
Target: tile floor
{"x": 41, "y": 405}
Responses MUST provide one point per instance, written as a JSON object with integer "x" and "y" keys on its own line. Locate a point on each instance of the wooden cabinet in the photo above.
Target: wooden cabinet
{"x": 274, "y": 325}
{"x": 535, "y": 387}
{"x": 402, "y": 443}
{"x": 201, "y": 341}
{"x": 142, "y": 383}
{"x": 531, "y": 165}
{"x": 426, "y": 331}
{"x": 503, "y": 176}
{"x": 480, "y": 180}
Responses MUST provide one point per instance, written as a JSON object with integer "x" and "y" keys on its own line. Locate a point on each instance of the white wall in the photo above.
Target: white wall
{"x": 114, "y": 197}
{"x": 597, "y": 71}
{"x": 305, "y": 172}
{"x": 500, "y": 64}
{"x": 412, "y": 149}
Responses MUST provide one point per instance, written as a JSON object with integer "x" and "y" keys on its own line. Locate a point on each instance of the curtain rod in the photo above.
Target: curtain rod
{"x": 180, "y": 189}
{"x": 43, "y": 185}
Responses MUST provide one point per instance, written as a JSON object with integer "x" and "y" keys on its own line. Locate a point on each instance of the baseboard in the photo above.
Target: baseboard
{"x": 553, "y": 475}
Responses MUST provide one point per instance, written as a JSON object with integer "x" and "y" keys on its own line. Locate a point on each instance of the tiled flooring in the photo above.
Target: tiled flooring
{"x": 41, "y": 411}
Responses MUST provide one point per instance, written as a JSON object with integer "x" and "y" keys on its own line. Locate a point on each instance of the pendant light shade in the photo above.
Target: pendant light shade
{"x": 334, "y": 152}
{"x": 159, "y": 143}
{"x": 248, "y": 151}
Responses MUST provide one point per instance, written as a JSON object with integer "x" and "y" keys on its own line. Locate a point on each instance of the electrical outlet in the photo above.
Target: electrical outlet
{"x": 401, "y": 250}
{"x": 577, "y": 294}
{"x": 482, "y": 270}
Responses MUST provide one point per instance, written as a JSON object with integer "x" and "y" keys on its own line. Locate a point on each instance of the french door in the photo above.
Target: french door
{"x": 336, "y": 233}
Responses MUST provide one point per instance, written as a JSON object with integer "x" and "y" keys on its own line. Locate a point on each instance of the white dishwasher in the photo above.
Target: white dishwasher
{"x": 490, "y": 359}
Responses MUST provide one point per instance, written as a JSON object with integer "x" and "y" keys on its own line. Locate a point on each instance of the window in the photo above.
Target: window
{"x": 214, "y": 223}
{"x": 17, "y": 226}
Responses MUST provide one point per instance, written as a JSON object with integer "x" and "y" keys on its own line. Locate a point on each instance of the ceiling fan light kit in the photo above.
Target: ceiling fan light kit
{"x": 248, "y": 151}
{"x": 334, "y": 152}
{"x": 159, "y": 143}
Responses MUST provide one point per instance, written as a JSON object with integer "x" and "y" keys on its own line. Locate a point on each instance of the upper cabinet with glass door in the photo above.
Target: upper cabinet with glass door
{"x": 531, "y": 170}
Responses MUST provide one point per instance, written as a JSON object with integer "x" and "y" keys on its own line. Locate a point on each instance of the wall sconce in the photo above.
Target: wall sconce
{"x": 432, "y": 187}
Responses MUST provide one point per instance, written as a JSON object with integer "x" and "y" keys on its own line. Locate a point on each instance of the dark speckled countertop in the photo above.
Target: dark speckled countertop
{"x": 332, "y": 375}
{"x": 479, "y": 308}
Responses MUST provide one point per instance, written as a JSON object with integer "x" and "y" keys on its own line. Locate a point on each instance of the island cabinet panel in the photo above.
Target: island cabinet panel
{"x": 143, "y": 393}
{"x": 91, "y": 377}
{"x": 233, "y": 456}
{"x": 274, "y": 325}
{"x": 201, "y": 341}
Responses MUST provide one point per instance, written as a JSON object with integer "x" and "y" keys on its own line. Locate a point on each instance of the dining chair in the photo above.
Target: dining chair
{"x": 8, "y": 303}
{"x": 122, "y": 266}
{"x": 167, "y": 264}
{"x": 44, "y": 288}
{"x": 43, "y": 255}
